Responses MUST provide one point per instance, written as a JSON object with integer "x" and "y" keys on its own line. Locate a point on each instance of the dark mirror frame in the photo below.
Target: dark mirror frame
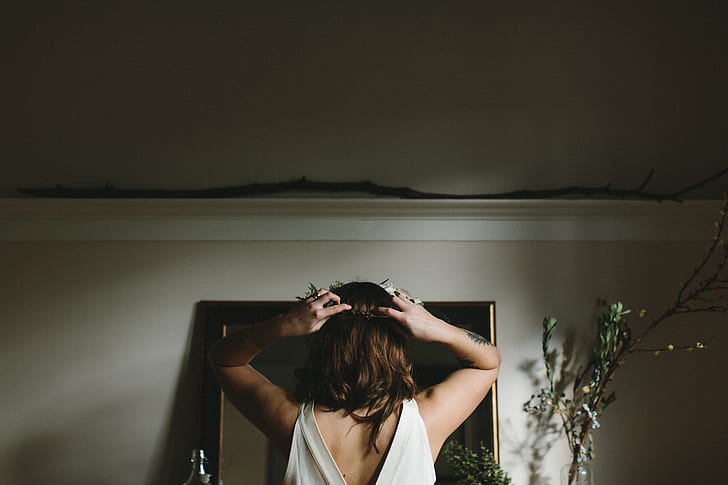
{"x": 217, "y": 316}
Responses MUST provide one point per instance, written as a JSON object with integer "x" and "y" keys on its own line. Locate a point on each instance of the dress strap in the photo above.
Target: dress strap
{"x": 409, "y": 456}
{"x": 319, "y": 451}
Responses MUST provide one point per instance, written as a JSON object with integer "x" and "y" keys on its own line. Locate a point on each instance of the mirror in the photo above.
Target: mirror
{"x": 239, "y": 453}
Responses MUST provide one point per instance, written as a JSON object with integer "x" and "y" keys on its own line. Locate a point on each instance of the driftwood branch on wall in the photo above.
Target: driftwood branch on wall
{"x": 305, "y": 185}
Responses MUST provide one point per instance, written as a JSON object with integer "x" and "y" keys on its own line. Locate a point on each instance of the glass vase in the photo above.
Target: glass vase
{"x": 577, "y": 474}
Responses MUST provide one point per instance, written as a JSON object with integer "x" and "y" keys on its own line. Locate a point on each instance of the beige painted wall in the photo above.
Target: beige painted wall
{"x": 96, "y": 389}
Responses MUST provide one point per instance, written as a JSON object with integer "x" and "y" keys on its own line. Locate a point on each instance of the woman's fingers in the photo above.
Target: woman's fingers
{"x": 323, "y": 297}
{"x": 403, "y": 300}
{"x": 397, "y": 319}
{"x": 316, "y": 295}
{"x": 332, "y": 310}
{"x": 324, "y": 305}
{"x": 388, "y": 312}
{"x": 401, "y": 304}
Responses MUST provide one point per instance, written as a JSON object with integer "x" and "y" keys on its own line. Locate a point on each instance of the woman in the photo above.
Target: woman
{"x": 356, "y": 417}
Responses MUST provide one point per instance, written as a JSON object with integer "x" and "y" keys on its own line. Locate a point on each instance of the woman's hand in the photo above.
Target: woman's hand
{"x": 309, "y": 315}
{"x": 413, "y": 321}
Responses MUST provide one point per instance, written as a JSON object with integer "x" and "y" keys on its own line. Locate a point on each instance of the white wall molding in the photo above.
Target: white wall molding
{"x": 283, "y": 219}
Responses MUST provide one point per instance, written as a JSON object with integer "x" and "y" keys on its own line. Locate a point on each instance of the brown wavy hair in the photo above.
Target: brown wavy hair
{"x": 358, "y": 361}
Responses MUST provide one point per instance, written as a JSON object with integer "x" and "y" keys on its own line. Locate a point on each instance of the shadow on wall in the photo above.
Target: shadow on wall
{"x": 97, "y": 437}
{"x": 543, "y": 429}
{"x": 183, "y": 430}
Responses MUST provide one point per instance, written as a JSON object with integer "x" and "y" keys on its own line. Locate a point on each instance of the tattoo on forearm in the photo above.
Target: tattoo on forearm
{"x": 466, "y": 363}
{"x": 478, "y": 339}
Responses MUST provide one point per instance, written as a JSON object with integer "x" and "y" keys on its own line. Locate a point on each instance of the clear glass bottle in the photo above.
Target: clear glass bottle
{"x": 199, "y": 473}
{"x": 577, "y": 474}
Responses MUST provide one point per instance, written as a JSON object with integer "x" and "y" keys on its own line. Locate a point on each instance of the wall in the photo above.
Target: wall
{"x": 98, "y": 385}
{"x": 463, "y": 97}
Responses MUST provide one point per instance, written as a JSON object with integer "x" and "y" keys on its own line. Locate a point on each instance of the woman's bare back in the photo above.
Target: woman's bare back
{"x": 348, "y": 443}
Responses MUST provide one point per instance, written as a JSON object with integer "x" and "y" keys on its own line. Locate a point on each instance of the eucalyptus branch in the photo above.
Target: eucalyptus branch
{"x": 684, "y": 303}
{"x": 704, "y": 291}
{"x": 673, "y": 348}
{"x": 686, "y": 296}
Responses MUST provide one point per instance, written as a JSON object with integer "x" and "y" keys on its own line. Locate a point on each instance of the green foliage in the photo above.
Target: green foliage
{"x": 613, "y": 340}
{"x": 313, "y": 289}
{"x": 549, "y": 324}
{"x": 581, "y": 412}
{"x": 704, "y": 291}
{"x": 473, "y": 468}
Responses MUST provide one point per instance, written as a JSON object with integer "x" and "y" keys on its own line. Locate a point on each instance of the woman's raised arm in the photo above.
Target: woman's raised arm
{"x": 269, "y": 407}
{"x": 446, "y": 405}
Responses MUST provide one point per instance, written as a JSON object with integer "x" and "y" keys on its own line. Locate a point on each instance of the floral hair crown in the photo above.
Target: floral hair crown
{"x": 387, "y": 285}
{"x": 393, "y": 290}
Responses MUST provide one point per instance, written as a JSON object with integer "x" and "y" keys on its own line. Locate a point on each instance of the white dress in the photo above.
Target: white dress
{"x": 409, "y": 460}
